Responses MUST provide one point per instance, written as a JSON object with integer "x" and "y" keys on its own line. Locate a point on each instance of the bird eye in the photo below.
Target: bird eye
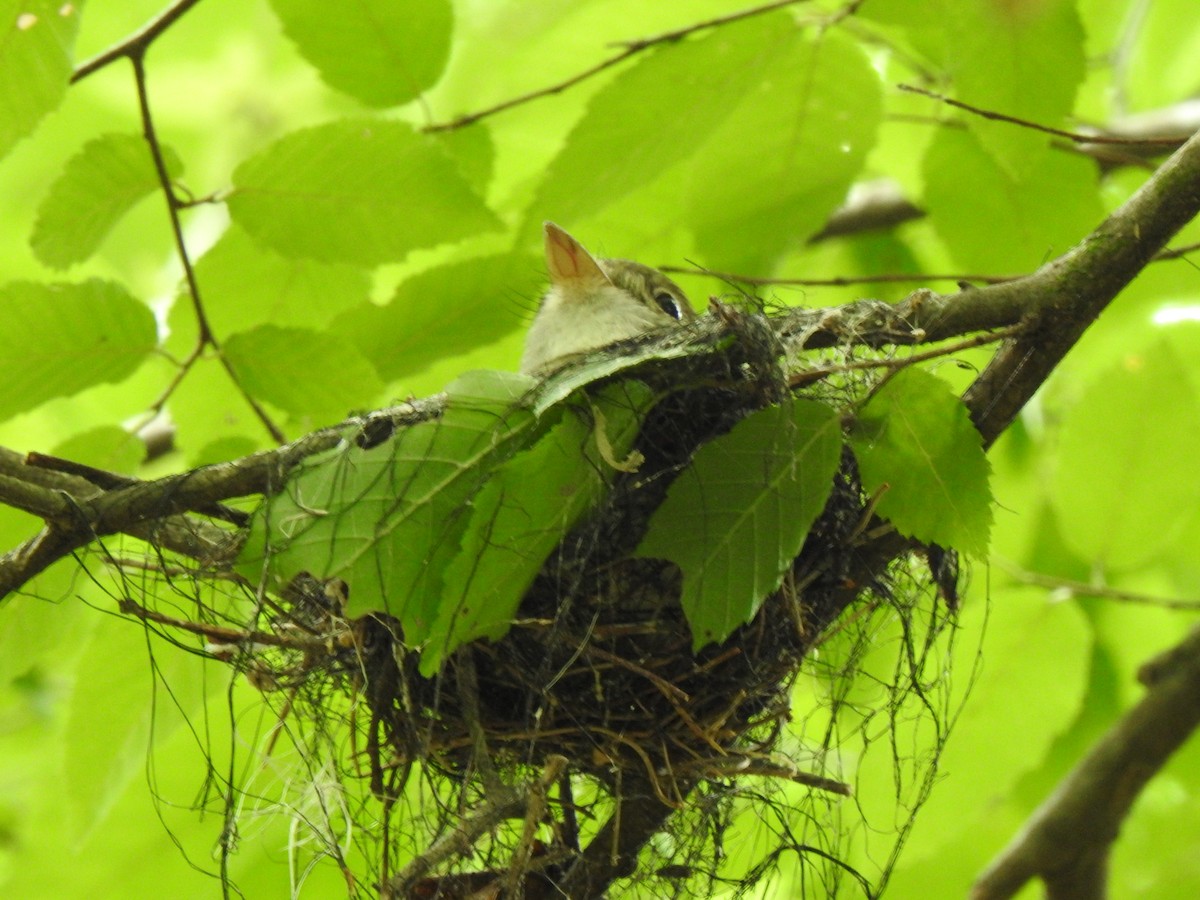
{"x": 668, "y": 304}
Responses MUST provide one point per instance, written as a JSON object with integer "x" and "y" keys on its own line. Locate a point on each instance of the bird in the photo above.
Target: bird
{"x": 593, "y": 302}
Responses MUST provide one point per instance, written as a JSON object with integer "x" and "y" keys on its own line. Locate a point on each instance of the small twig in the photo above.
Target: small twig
{"x": 652, "y": 772}
{"x": 505, "y": 803}
{"x": 206, "y": 336}
{"x": 566, "y": 803}
{"x": 134, "y": 49}
{"x": 883, "y": 278}
{"x": 1177, "y": 252}
{"x": 181, "y": 372}
{"x": 665, "y": 687}
{"x": 459, "y": 840}
{"x": 846, "y": 281}
{"x": 1073, "y": 136}
{"x": 677, "y": 34}
{"x": 1083, "y": 589}
{"x": 467, "y": 682}
{"x": 137, "y": 42}
{"x": 739, "y": 766}
{"x": 808, "y": 376}
{"x": 631, "y": 48}
{"x": 535, "y": 811}
{"x": 219, "y": 634}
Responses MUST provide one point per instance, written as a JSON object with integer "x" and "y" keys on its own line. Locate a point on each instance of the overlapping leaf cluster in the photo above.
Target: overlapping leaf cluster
{"x": 445, "y": 525}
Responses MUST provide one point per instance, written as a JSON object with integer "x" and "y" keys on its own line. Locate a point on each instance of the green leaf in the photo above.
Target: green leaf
{"x": 365, "y": 191}
{"x": 735, "y": 519}
{"x": 1022, "y": 61}
{"x": 301, "y": 371}
{"x": 1162, "y": 61}
{"x": 474, "y": 151}
{"x": 994, "y": 221}
{"x": 106, "y": 447}
{"x": 378, "y": 51}
{"x": 244, "y": 284}
{"x": 101, "y": 183}
{"x": 443, "y": 311}
{"x": 58, "y": 339}
{"x": 1117, "y": 490}
{"x": 769, "y": 176}
{"x": 523, "y": 512}
{"x": 915, "y": 441}
{"x": 387, "y": 519}
{"x": 37, "y": 38}
{"x": 633, "y": 129}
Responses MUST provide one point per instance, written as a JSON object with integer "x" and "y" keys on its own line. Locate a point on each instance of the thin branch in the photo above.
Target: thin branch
{"x": 137, "y": 43}
{"x": 1177, "y": 252}
{"x": 219, "y": 634}
{"x": 847, "y": 281}
{"x": 1073, "y": 136}
{"x": 1061, "y": 299}
{"x": 206, "y": 335}
{"x": 807, "y": 376}
{"x": 1066, "y": 841}
{"x": 1075, "y": 588}
{"x": 975, "y": 278}
{"x": 134, "y": 49}
{"x": 108, "y": 481}
{"x": 77, "y": 512}
{"x": 631, "y": 48}
{"x": 55, "y": 497}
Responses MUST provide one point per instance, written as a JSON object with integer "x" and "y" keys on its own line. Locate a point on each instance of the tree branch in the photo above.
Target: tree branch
{"x": 1064, "y": 297}
{"x": 77, "y": 512}
{"x": 1072, "y": 136}
{"x": 1066, "y": 841}
{"x": 136, "y": 43}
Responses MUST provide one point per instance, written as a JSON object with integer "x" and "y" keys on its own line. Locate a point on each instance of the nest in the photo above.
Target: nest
{"x": 596, "y": 684}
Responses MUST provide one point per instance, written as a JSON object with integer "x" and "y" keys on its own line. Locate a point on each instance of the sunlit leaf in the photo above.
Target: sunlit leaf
{"x": 58, "y": 339}
{"x": 388, "y": 518}
{"x": 363, "y": 191}
{"x": 37, "y": 39}
{"x": 381, "y": 52}
{"x": 524, "y": 511}
{"x": 916, "y": 447}
{"x": 769, "y": 176}
{"x": 245, "y": 284}
{"x": 994, "y": 221}
{"x": 302, "y": 371}
{"x": 98, "y": 186}
{"x": 443, "y": 311}
{"x": 1117, "y": 489}
{"x": 735, "y": 519}
{"x": 633, "y": 129}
